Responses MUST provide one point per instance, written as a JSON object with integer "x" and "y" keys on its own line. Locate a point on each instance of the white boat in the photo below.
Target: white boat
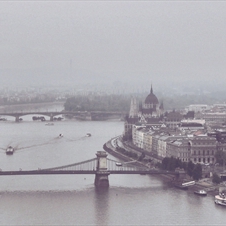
{"x": 180, "y": 186}
{"x": 88, "y": 134}
{"x": 9, "y": 150}
{"x": 61, "y": 135}
{"x": 49, "y": 124}
{"x": 183, "y": 184}
{"x": 188, "y": 183}
{"x": 200, "y": 192}
{"x": 220, "y": 199}
{"x": 118, "y": 164}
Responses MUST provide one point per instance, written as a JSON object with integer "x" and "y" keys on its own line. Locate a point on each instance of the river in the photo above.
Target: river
{"x": 73, "y": 199}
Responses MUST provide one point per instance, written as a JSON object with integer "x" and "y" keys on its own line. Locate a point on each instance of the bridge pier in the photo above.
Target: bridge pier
{"x": 101, "y": 177}
{"x": 51, "y": 117}
{"x": 101, "y": 180}
{"x": 17, "y": 119}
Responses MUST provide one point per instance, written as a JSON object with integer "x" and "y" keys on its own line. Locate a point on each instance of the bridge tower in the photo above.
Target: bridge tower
{"x": 101, "y": 178}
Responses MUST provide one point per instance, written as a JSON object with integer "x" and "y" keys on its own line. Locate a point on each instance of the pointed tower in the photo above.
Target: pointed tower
{"x": 130, "y": 119}
{"x": 133, "y": 108}
{"x": 151, "y": 89}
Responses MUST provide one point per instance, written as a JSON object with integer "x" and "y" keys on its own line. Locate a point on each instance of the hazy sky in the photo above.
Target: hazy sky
{"x": 104, "y": 42}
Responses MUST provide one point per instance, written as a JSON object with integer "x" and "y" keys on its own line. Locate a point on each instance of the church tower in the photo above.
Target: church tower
{"x": 133, "y": 108}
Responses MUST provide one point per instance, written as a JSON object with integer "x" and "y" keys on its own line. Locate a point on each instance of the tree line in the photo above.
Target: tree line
{"x": 193, "y": 170}
{"x": 112, "y": 102}
{"x": 121, "y": 102}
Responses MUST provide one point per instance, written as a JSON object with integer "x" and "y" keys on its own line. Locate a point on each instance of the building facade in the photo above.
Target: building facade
{"x": 202, "y": 149}
{"x": 151, "y": 107}
{"x": 148, "y": 114}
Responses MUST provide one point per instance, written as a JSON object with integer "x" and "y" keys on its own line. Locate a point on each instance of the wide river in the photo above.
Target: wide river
{"x": 73, "y": 199}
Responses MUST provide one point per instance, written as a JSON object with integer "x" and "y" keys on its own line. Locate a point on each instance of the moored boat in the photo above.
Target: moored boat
{"x": 9, "y": 150}
{"x": 180, "y": 186}
{"x": 200, "y": 192}
{"x": 220, "y": 199}
{"x": 183, "y": 184}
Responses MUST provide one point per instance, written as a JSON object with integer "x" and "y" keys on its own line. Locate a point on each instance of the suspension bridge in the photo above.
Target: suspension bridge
{"x": 101, "y": 167}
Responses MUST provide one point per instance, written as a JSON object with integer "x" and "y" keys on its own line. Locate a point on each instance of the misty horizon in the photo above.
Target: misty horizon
{"x": 113, "y": 45}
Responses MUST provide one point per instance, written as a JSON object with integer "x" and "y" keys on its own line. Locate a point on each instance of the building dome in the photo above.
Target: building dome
{"x": 151, "y": 98}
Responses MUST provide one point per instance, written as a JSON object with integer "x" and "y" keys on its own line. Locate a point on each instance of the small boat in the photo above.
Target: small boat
{"x": 118, "y": 164}
{"x": 88, "y": 134}
{"x": 200, "y": 192}
{"x": 9, "y": 150}
{"x": 61, "y": 135}
{"x": 220, "y": 199}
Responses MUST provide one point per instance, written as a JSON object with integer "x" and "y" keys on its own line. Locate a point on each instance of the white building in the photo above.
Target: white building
{"x": 138, "y": 135}
{"x": 197, "y": 107}
{"x": 162, "y": 144}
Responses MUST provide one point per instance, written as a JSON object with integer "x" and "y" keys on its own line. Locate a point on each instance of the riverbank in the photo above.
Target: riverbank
{"x": 111, "y": 148}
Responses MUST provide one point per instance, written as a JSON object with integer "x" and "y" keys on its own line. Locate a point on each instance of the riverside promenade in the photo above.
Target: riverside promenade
{"x": 111, "y": 148}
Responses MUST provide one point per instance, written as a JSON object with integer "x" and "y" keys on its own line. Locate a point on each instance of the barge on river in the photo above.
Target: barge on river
{"x": 183, "y": 184}
{"x": 9, "y": 150}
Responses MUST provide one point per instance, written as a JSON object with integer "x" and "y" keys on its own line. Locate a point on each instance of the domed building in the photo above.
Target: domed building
{"x": 150, "y": 107}
{"x": 148, "y": 113}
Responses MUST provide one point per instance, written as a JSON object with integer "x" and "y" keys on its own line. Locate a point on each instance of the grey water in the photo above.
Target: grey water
{"x": 73, "y": 199}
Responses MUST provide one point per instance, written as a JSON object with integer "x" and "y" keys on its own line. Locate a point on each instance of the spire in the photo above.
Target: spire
{"x": 151, "y": 89}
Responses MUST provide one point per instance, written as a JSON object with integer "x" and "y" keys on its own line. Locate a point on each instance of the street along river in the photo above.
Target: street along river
{"x": 73, "y": 199}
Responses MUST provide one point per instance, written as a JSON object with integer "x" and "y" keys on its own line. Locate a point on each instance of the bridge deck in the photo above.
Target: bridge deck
{"x": 90, "y": 167}
{"x": 52, "y": 172}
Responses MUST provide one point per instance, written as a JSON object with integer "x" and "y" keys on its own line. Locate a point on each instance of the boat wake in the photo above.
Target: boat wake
{"x": 18, "y": 148}
{"x": 72, "y": 140}
{"x": 37, "y": 145}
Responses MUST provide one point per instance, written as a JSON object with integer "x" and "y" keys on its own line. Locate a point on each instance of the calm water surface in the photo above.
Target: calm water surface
{"x": 73, "y": 199}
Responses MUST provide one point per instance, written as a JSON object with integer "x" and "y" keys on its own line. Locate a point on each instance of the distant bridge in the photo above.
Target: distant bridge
{"x": 101, "y": 166}
{"x": 83, "y": 115}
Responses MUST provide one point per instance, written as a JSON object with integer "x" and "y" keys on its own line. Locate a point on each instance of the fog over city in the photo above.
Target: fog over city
{"x": 121, "y": 45}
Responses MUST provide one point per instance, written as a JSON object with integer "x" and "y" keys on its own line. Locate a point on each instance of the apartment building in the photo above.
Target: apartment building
{"x": 138, "y": 135}
{"x": 148, "y": 141}
{"x": 202, "y": 149}
{"x": 197, "y": 148}
{"x": 178, "y": 148}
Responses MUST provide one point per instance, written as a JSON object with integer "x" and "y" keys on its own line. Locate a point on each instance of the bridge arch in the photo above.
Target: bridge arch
{"x": 17, "y": 115}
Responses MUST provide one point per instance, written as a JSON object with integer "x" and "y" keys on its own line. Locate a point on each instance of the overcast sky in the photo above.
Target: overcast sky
{"x": 105, "y": 42}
